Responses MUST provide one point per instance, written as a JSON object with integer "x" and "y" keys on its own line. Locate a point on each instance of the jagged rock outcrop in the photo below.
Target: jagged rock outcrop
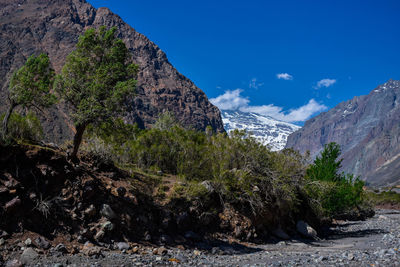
{"x": 53, "y": 26}
{"x": 368, "y": 130}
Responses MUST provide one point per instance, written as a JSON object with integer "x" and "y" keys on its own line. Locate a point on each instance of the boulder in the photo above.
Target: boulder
{"x": 305, "y": 230}
{"x": 28, "y": 256}
{"x": 122, "y": 246}
{"x": 107, "y": 212}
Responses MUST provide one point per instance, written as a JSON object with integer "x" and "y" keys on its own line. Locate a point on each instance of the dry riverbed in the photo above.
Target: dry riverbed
{"x": 374, "y": 242}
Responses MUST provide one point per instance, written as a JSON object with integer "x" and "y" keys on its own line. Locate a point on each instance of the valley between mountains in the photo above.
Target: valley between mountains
{"x": 159, "y": 176}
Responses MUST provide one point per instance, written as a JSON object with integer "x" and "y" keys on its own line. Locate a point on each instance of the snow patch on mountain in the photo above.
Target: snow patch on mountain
{"x": 265, "y": 129}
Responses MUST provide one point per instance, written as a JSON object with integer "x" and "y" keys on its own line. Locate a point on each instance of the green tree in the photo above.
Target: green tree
{"x": 30, "y": 87}
{"x": 326, "y": 166}
{"x": 336, "y": 193}
{"x": 97, "y": 80}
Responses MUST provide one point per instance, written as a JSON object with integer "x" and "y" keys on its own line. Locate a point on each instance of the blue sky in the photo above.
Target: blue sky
{"x": 289, "y": 59}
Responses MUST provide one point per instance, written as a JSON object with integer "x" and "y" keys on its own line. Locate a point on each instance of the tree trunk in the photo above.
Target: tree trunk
{"x": 6, "y": 119}
{"x": 80, "y": 129}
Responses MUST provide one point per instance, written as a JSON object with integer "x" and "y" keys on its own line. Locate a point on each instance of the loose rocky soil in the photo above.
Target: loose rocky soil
{"x": 374, "y": 242}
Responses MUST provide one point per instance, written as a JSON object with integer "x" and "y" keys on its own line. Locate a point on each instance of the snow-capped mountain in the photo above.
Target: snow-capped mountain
{"x": 265, "y": 129}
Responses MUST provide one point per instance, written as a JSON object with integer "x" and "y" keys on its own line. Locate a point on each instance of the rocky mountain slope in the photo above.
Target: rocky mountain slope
{"x": 368, "y": 130}
{"x": 53, "y": 27}
{"x": 265, "y": 129}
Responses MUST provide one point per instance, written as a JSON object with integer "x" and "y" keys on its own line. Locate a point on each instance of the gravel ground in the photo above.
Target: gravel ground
{"x": 375, "y": 242}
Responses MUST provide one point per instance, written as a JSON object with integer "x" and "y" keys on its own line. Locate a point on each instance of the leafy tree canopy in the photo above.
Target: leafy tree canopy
{"x": 30, "y": 86}
{"x": 97, "y": 80}
{"x": 326, "y": 166}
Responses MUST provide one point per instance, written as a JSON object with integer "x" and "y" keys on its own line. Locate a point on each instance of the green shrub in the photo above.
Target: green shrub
{"x": 23, "y": 128}
{"x": 332, "y": 193}
{"x": 383, "y": 198}
{"x": 244, "y": 173}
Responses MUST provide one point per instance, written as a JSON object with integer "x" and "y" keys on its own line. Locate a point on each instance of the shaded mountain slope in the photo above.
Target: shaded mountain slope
{"x": 368, "y": 130}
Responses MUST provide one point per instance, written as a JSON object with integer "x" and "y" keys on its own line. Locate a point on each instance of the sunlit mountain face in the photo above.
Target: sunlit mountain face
{"x": 265, "y": 129}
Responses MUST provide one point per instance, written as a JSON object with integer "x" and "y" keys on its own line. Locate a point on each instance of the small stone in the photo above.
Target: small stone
{"x": 121, "y": 191}
{"x": 158, "y": 258}
{"x": 350, "y": 256}
{"x": 91, "y": 250}
{"x": 2, "y": 241}
{"x": 99, "y": 235}
{"x": 108, "y": 226}
{"x": 28, "y": 242}
{"x": 147, "y": 237}
{"x": 107, "y": 212}
{"x": 135, "y": 249}
{"x": 58, "y": 265}
{"x": 3, "y": 234}
{"x": 42, "y": 243}
{"x": 28, "y": 256}
{"x": 165, "y": 239}
{"x": 197, "y": 252}
{"x": 13, "y": 263}
{"x": 281, "y": 243}
{"x": 80, "y": 239}
{"x": 75, "y": 250}
{"x": 162, "y": 251}
{"x": 90, "y": 211}
{"x": 215, "y": 250}
{"x": 122, "y": 245}
{"x": 61, "y": 248}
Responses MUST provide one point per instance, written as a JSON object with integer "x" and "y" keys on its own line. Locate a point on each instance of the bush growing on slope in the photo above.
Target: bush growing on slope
{"x": 29, "y": 88}
{"x": 23, "y": 128}
{"x": 244, "y": 174}
{"x": 215, "y": 172}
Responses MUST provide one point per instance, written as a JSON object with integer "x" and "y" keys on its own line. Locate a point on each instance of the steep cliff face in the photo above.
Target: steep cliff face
{"x": 53, "y": 26}
{"x": 368, "y": 130}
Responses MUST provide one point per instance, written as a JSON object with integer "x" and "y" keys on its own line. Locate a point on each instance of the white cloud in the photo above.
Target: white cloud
{"x": 254, "y": 84}
{"x": 232, "y": 100}
{"x": 284, "y": 76}
{"x": 325, "y": 83}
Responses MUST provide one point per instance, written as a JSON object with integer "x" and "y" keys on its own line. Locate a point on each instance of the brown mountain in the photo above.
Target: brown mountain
{"x": 368, "y": 130}
{"x": 53, "y": 26}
